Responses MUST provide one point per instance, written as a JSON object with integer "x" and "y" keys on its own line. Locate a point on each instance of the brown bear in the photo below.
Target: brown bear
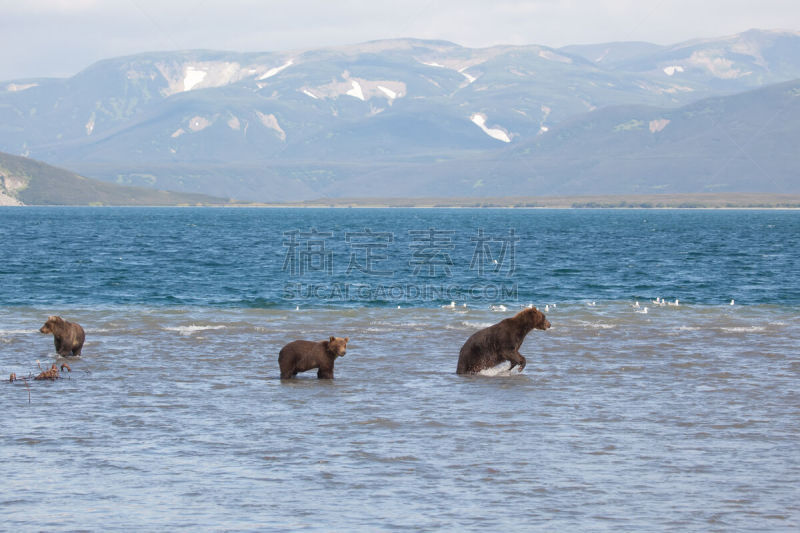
{"x": 299, "y": 356}
{"x": 493, "y": 345}
{"x": 68, "y": 336}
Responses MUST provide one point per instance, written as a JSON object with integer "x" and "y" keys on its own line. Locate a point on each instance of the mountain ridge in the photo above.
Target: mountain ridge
{"x": 295, "y": 125}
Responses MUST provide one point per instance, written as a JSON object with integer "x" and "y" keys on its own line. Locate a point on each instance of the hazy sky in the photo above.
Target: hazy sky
{"x": 62, "y": 37}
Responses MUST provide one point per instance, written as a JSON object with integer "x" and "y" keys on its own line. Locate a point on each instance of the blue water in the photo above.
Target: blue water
{"x": 685, "y": 417}
{"x": 238, "y": 257}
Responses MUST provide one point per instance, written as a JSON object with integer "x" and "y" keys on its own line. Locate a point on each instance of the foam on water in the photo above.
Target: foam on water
{"x": 502, "y": 370}
{"x": 598, "y": 325}
{"x": 476, "y": 325}
{"x": 193, "y": 328}
{"x": 744, "y": 329}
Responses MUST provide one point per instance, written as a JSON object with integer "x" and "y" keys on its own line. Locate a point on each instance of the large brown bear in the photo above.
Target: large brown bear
{"x": 68, "y": 336}
{"x": 299, "y": 356}
{"x": 493, "y": 345}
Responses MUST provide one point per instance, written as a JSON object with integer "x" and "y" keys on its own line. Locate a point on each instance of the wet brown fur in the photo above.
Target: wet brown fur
{"x": 67, "y": 336}
{"x": 501, "y": 342}
{"x": 299, "y": 356}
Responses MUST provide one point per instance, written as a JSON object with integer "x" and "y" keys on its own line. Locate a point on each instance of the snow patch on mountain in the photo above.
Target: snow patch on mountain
{"x": 90, "y": 124}
{"x": 189, "y": 76}
{"x": 272, "y": 123}
{"x": 658, "y": 124}
{"x": 360, "y": 88}
{"x": 17, "y": 87}
{"x": 388, "y": 92}
{"x": 356, "y": 90}
{"x": 182, "y": 77}
{"x": 463, "y": 72}
{"x": 198, "y": 123}
{"x": 545, "y": 113}
{"x": 276, "y": 70}
{"x": 672, "y": 69}
{"x": 479, "y": 119}
{"x": 192, "y": 77}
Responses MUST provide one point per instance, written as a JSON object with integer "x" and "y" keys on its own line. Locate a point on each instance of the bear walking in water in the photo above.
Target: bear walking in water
{"x": 299, "y": 356}
{"x": 493, "y": 345}
{"x": 68, "y": 336}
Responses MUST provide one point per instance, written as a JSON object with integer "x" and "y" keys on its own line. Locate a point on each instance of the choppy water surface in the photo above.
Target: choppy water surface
{"x": 682, "y": 418}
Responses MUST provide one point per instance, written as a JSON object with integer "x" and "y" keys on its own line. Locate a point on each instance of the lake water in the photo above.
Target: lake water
{"x": 683, "y": 418}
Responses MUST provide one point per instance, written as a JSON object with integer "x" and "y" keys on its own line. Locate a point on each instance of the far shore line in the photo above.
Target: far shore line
{"x": 753, "y": 201}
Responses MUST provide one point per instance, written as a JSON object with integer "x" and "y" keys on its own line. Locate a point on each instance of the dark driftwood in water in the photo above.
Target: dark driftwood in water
{"x": 51, "y": 374}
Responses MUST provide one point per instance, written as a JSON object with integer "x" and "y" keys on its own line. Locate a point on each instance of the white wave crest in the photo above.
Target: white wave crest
{"x": 477, "y": 325}
{"x": 503, "y": 369}
{"x": 596, "y": 325}
{"x": 188, "y": 330}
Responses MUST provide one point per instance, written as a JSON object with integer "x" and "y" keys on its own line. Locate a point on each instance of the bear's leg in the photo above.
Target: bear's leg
{"x": 516, "y": 358}
{"x": 325, "y": 373}
{"x": 77, "y": 351}
{"x": 287, "y": 368}
{"x": 62, "y": 349}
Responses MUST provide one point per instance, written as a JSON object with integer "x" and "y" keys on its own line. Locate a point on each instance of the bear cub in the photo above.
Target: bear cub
{"x": 67, "y": 336}
{"x": 299, "y": 356}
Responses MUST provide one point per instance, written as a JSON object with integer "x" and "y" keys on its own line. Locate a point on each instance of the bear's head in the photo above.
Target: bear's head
{"x": 534, "y": 318}
{"x": 338, "y": 346}
{"x": 52, "y": 324}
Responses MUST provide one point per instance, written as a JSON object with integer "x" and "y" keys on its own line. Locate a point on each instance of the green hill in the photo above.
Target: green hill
{"x": 32, "y": 182}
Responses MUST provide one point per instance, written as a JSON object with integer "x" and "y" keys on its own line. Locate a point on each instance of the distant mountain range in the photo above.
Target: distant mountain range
{"x": 426, "y": 118}
{"x": 24, "y": 181}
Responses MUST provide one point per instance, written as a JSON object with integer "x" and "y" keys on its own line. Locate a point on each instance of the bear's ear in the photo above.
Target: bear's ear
{"x": 51, "y": 317}
{"x": 333, "y": 338}
{"x": 346, "y": 340}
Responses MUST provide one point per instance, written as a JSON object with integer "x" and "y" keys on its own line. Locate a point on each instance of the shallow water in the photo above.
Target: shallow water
{"x": 681, "y": 419}
{"x": 684, "y": 418}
